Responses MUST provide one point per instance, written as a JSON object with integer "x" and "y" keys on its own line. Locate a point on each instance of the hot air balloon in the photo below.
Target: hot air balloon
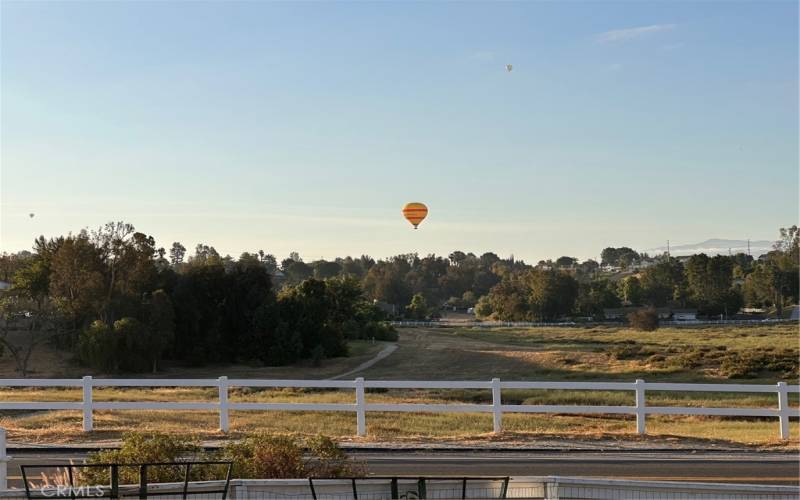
{"x": 415, "y": 213}
{"x": 509, "y": 67}
{"x": 31, "y": 215}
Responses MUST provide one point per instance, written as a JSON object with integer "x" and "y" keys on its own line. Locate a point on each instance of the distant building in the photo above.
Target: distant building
{"x": 684, "y": 314}
{"x": 664, "y": 313}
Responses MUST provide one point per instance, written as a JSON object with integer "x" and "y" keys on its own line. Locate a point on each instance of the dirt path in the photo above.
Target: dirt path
{"x": 386, "y": 351}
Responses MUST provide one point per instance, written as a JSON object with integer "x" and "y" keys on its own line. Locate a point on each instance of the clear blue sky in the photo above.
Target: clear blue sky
{"x": 307, "y": 126}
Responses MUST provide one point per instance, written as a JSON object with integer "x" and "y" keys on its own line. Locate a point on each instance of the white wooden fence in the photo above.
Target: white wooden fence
{"x": 223, "y": 405}
{"x": 533, "y": 324}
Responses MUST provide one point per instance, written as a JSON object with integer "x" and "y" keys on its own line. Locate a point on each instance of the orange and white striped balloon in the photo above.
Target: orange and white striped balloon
{"x": 415, "y": 213}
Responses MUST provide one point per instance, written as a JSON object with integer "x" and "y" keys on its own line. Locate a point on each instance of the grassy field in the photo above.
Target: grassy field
{"x": 593, "y": 353}
{"x": 471, "y": 354}
{"x": 48, "y": 362}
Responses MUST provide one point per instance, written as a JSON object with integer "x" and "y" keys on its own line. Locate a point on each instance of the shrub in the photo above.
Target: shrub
{"x": 328, "y": 460}
{"x": 143, "y": 447}
{"x": 645, "y": 320}
{"x": 748, "y": 365}
{"x": 626, "y": 350}
{"x": 684, "y": 361}
{"x": 380, "y": 331}
{"x": 265, "y": 456}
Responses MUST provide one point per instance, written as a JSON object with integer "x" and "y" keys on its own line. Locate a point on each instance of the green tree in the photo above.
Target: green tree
{"x": 385, "y": 282}
{"x": 663, "y": 283}
{"x": 566, "y": 262}
{"x": 324, "y": 269}
{"x": 631, "y": 290}
{"x": 483, "y": 308}
{"x": 176, "y": 254}
{"x": 710, "y": 284}
{"x": 305, "y": 309}
{"x": 76, "y": 279}
{"x": 551, "y": 294}
{"x": 296, "y": 271}
{"x": 418, "y": 309}
{"x": 98, "y": 347}
{"x": 25, "y": 324}
{"x": 595, "y": 296}
{"x": 160, "y": 327}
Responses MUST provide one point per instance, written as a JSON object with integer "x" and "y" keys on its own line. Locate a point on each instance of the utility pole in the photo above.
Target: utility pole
{"x": 748, "y": 246}
{"x": 667, "y": 249}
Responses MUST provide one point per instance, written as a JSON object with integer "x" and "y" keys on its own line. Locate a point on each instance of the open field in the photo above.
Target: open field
{"x": 461, "y": 354}
{"x": 690, "y": 354}
{"x": 48, "y": 362}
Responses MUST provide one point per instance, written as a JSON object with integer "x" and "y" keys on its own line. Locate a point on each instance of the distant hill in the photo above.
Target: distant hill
{"x": 716, "y": 246}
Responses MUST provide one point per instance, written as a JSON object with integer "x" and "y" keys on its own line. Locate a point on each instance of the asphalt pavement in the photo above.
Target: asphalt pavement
{"x": 754, "y": 467}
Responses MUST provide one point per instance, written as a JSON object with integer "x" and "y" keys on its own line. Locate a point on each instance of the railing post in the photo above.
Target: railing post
{"x": 223, "y": 404}
{"x": 497, "y": 407}
{"x": 88, "y": 424}
{"x": 4, "y": 459}
{"x": 361, "y": 408}
{"x": 641, "y": 413}
{"x": 783, "y": 409}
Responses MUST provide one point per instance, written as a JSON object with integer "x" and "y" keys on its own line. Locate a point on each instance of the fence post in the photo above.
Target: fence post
{"x": 641, "y": 413}
{"x": 497, "y": 406}
{"x": 223, "y": 404}
{"x": 361, "y": 408}
{"x": 3, "y": 461}
{"x": 88, "y": 424}
{"x": 783, "y": 409}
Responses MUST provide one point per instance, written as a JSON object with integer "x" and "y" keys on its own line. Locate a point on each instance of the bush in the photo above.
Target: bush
{"x": 264, "y": 456}
{"x": 260, "y": 456}
{"x": 626, "y": 351}
{"x": 142, "y": 447}
{"x": 645, "y": 320}
{"x": 749, "y": 365}
{"x": 380, "y": 331}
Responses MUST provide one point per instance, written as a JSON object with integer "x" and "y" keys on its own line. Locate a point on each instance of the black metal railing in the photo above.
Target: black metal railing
{"x": 113, "y": 489}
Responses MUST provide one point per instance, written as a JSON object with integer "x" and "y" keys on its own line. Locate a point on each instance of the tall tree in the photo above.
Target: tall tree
{"x": 176, "y": 254}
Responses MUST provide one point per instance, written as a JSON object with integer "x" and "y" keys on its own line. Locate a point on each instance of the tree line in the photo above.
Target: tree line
{"x": 121, "y": 304}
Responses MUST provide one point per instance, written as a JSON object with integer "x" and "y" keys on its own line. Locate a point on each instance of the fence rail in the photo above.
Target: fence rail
{"x": 519, "y": 324}
{"x": 782, "y": 412}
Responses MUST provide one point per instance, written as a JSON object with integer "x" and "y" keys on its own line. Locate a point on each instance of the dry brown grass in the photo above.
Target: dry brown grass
{"x": 454, "y": 354}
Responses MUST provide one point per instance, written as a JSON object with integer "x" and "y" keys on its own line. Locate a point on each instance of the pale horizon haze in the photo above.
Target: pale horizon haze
{"x": 307, "y": 126}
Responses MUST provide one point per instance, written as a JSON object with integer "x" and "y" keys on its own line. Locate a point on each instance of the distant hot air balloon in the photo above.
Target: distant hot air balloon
{"x": 31, "y": 215}
{"x": 415, "y": 213}
{"x": 509, "y": 67}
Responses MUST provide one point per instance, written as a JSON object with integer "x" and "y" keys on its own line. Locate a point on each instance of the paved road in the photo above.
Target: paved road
{"x": 751, "y": 468}
{"x": 757, "y": 468}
